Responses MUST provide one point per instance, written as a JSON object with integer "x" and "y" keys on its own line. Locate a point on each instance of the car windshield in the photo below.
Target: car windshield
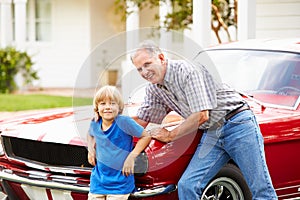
{"x": 272, "y": 77}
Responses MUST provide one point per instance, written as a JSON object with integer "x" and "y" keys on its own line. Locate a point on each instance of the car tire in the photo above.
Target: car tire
{"x": 228, "y": 184}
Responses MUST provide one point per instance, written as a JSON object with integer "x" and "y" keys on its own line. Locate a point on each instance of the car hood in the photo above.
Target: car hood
{"x": 65, "y": 125}
{"x": 267, "y": 114}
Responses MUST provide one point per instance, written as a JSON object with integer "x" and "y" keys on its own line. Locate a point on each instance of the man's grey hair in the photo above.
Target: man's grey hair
{"x": 147, "y": 45}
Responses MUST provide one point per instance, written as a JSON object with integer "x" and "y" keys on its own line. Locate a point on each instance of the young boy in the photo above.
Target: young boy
{"x": 110, "y": 145}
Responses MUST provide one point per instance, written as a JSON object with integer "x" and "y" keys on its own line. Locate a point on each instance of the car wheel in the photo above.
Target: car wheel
{"x": 228, "y": 184}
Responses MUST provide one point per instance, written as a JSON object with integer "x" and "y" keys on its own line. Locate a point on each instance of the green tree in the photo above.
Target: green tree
{"x": 223, "y": 14}
{"x": 13, "y": 62}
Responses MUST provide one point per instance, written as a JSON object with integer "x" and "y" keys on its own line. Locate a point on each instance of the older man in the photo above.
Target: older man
{"x": 230, "y": 128}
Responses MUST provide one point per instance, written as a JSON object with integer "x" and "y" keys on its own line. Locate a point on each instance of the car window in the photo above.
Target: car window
{"x": 272, "y": 77}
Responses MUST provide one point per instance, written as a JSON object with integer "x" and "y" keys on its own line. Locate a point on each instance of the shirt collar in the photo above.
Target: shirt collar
{"x": 169, "y": 76}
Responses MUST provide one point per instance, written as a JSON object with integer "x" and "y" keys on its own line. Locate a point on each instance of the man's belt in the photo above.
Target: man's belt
{"x": 236, "y": 111}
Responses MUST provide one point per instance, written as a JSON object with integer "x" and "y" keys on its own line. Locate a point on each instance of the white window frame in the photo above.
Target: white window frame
{"x": 32, "y": 21}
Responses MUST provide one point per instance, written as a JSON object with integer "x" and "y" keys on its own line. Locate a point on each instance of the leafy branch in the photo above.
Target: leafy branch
{"x": 181, "y": 17}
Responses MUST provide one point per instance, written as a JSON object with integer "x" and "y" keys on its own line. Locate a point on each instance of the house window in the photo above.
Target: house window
{"x": 39, "y": 20}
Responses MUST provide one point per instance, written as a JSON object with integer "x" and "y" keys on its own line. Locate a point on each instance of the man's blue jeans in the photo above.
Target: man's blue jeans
{"x": 238, "y": 139}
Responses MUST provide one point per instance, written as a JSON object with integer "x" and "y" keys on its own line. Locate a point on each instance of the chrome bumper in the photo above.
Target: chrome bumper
{"x": 155, "y": 191}
{"x": 42, "y": 183}
{"x": 8, "y": 176}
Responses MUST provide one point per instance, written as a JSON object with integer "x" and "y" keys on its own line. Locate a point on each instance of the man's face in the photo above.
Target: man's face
{"x": 151, "y": 67}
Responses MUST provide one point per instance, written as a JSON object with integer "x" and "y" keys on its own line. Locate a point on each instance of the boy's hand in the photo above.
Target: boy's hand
{"x": 128, "y": 167}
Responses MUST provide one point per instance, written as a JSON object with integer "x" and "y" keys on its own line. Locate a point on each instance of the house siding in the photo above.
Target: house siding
{"x": 59, "y": 60}
{"x": 277, "y": 18}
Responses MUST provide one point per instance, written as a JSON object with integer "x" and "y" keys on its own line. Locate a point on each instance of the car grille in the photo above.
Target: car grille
{"x": 46, "y": 153}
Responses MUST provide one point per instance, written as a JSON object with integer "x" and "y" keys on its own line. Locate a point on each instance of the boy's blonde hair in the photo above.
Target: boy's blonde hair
{"x": 110, "y": 93}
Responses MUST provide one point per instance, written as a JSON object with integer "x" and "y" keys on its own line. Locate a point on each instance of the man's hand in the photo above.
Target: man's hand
{"x": 190, "y": 125}
{"x": 161, "y": 134}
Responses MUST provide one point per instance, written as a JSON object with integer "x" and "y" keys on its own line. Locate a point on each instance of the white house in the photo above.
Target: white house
{"x": 83, "y": 43}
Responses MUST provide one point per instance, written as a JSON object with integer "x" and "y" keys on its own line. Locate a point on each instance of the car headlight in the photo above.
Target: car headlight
{"x": 141, "y": 164}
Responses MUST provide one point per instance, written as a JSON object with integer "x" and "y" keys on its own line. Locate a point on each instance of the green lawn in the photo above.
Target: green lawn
{"x": 16, "y": 102}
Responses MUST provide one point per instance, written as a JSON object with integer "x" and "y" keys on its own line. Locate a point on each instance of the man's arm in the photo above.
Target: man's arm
{"x": 190, "y": 125}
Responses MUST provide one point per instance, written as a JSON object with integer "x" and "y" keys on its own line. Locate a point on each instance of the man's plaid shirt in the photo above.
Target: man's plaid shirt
{"x": 188, "y": 88}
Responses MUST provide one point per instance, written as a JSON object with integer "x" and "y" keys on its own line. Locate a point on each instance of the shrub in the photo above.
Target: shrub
{"x": 13, "y": 62}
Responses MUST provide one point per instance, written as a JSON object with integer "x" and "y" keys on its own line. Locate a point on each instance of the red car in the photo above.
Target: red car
{"x": 43, "y": 156}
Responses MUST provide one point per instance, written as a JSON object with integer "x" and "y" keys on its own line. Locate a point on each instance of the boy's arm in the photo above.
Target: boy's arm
{"x": 128, "y": 167}
{"x": 91, "y": 149}
{"x": 140, "y": 121}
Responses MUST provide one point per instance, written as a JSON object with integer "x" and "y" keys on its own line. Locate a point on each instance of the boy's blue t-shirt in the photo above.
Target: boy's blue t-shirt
{"x": 112, "y": 148}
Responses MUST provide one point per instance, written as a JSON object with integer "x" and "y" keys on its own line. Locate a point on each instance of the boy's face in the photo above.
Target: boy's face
{"x": 108, "y": 109}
